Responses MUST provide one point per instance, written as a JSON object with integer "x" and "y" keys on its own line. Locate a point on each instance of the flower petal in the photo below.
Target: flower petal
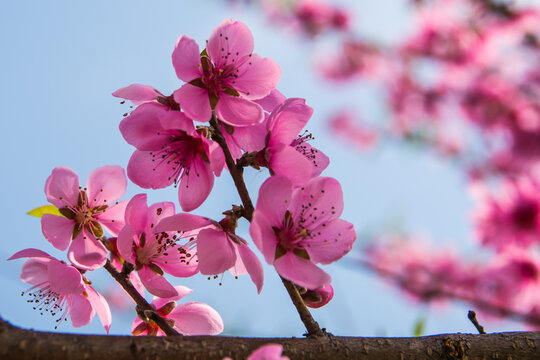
{"x": 145, "y": 170}
{"x": 232, "y": 39}
{"x": 271, "y": 101}
{"x": 156, "y": 284}
{"x": 253, "y": 265}
{"x": 186, "y": 59}
{"x": 30, "y": 253}
{"x": 136, "y": 93}
{"x": 180, "y": 289}
{"x": 263, "y": 236}
{"x": 101, "y": 307}
{"x": 195, "y": 185}
{"x": 275, "y": 196}
{"x": 286, "y": 122}
{"x": 257, "y": 77}
{"x": 182, "y": 222}
{"x": 237, "y": 111}
{"x": 215, "y": 252}
{"x": 64, "y": 279}
{"x": 142, "y": 128}
{"x": 268, "y": 352}
{"x": 194, "y": 318}
{"x": 34, "y": 272}
{"x": 286, "y": 161}
{"x": 113, "y": 219}
{"x": 57, "y": 230}
{"x": 86, "y": 252}
{"x": 105, "y": 185}
{"x": 81, "y": 311}
{"x": 301, "y": 271}
{"x": 194, "y": 101}
{"x": 331, "y": 242}
{"x": 62, "y": 187}
{"x": 124, "y": 243}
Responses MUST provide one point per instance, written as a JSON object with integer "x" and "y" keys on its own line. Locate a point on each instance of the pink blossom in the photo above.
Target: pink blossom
{"x": 226, "y": 77}
{"x": 170, "y": 148}
{"x": 296, "y": 228}
{"x": 316, "y": 17}
{"x": 287, "y": 152}
{"x": 511, "y": 218}
{"x": 137, "y": 93}
{"x": 154, "y": 252}
{"x": 60, "y": 289}
{"x": 85, "y": 211}
{"x": 192, "y": 318}
{"x": 318, "y": 297}
{"x": 218, "y": 247}
{"x": 266, "y": 352}
{"x": 344, "y": 125}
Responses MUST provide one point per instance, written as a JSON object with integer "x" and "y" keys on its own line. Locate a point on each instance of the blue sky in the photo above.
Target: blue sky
{"x": 60, "y": 62}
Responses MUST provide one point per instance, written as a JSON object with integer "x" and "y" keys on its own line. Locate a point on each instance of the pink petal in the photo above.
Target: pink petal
{"x": 271, "y": 101}
{"x": 263, "y": 236}
{"x": 62, "y": 187}
{"x": 257, "y": 77}
{"x": 177, "y": 120}
{"x": 101, "y": 307}
{"x": 156, "y": 284}
{"x": 251, "y": 138}
{"x": 124, "y": 243}
{"x": 180, "y": 269}
{"x": 186, "y": 59}
{"x": 286, "y": 122}
{"x": 143, "y": 129}
{"x": 146, "y": 170}
{"x": 113, "y": 219}
{"x": 136, "y": 93}
{"x": 180, "y": 289}
{"x": 320, "y": 162}
{"x": 275, "y": 196}
{"x": 331, "y": 242}
{"x": 106, "y": 185}
{"x": 86, "y": 252}
{"x": 215, "y": 252}
{"x": 217, "y": 158}
{"x": 195, "y": 318}
{"x": 301, "y": 271}
{"x": 182, "y": 222}
{"x": 237, "y": 111}
{"x": 30, "y": 253}
{"x": 34, "y": 272}
{"x": 232, "y": 39}
{"x": 326, "y": 293}
{"x": 323, "y": 197}
{"x": 158, "y": 212}
{"x": 194, "y": 101}
{"x": 286, "y": 161}
{"x": 195, "y": 185}
{"x": 64, "y": 279}
{"x": 57, "y": 230}
{"x": 137, "y": 213}
{"x": 81, "y": 311}
{"x": 268, "y": 352}
{"x": 253, "y": 265}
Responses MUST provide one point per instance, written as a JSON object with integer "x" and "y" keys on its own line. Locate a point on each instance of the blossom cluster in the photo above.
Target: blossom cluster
{"x": 227, "y": 110}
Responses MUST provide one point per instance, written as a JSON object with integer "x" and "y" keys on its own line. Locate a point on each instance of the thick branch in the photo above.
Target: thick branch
{"x": 18, "y": 344}
{"x": 142, "y": 305}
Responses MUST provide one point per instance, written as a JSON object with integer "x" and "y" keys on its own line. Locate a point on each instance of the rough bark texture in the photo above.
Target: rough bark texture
{"x": 22, "y": 344}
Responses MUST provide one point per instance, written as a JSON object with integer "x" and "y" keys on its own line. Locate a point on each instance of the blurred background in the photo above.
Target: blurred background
{"x": 62, "y": 60}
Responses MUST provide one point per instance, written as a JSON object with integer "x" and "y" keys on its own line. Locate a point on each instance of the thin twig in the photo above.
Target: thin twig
{"x": 311, "y": 325}
{"x": 472, "y": 316}
{"x": 142, "y": 304}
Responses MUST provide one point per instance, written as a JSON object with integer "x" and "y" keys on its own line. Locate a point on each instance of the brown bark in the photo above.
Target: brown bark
{"x": 22, "y": 344}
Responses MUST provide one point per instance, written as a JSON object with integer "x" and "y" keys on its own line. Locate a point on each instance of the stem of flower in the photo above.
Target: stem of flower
{"x": 311, "y": 325}
{"x": 123, "y": 279}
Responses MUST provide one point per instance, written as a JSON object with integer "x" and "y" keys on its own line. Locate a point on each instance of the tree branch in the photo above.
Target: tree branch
{"x": 19, "y": 344}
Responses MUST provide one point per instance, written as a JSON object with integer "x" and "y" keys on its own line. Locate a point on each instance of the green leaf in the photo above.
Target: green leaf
{"x": 45, "y": 209}
{"x": 419, "y": 326}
